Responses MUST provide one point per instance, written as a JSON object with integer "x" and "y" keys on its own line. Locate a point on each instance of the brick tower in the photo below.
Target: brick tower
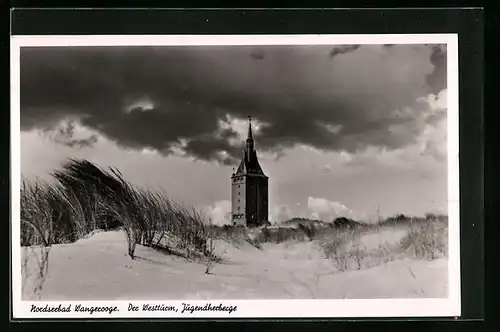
{"x": 249, "y": 188}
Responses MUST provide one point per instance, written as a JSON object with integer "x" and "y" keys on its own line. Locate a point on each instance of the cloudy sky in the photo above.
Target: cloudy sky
{"x": 340, "y": 130}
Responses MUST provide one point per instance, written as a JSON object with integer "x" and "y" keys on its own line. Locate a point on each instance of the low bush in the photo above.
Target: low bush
{"x": 427, "y": 239}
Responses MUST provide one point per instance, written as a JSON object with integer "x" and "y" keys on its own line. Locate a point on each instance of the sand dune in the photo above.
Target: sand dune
{"x": 98, "y": 268}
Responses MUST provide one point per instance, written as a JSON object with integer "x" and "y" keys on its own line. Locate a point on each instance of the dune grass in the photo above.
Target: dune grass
{"x": 84, "y": 198}
{"x": 427, "y": 239}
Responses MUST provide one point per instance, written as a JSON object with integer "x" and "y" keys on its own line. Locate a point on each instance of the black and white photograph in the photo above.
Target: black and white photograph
{"x": 235, "y": 168}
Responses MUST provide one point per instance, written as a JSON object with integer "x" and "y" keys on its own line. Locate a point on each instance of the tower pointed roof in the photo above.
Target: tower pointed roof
{"x": 249, "y": 163}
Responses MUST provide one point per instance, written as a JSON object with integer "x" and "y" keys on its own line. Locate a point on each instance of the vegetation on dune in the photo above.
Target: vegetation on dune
{"x": 427, "y": 238}
{"x": 85, "y": 198}
{"x": 424, "y": 238}
{"x": 341, "y": 239}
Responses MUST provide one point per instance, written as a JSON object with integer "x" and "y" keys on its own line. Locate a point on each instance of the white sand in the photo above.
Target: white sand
{"x": 98, "y": 268}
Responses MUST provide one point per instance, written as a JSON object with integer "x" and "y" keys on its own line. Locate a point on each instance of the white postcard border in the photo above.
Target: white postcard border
{"x": 450, "y": 306}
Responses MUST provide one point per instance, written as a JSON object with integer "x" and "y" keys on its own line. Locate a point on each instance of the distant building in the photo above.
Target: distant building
{"x": 249, "y": 188}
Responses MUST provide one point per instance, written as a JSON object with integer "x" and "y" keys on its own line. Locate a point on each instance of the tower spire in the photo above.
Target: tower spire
{"x": 250, "y": 136}
{"x": 249, "y": 143}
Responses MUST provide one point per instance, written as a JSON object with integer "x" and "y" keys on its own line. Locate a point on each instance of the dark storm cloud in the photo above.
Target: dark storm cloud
{"x": 65, "y": 135}
{"x": 296, "y": 91}
{"x": 210, "y": 146}
{"x": 437, "y": 79}
{"x": 343, "y": 49}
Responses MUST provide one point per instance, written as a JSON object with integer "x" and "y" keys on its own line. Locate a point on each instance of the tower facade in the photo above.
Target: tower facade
{"x": 249, "y": 188}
